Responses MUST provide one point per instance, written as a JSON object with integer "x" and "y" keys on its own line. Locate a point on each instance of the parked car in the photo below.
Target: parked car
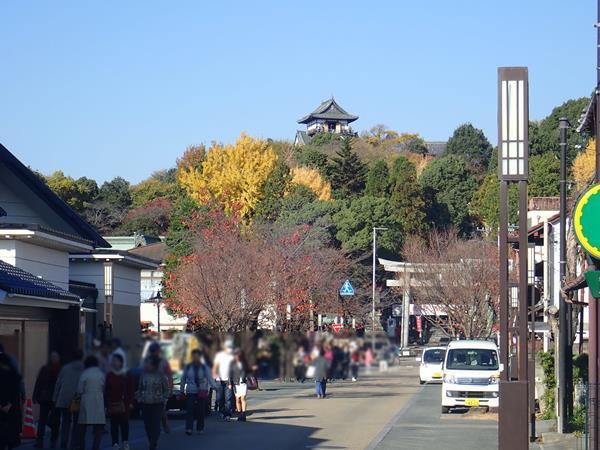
{"x": 431, "y": 368}
{"x": 471, "y": 375}
{"x": 177, "y": 399}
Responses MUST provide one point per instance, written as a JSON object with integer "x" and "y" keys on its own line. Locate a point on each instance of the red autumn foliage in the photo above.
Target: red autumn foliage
{"x": 239, "y": 278}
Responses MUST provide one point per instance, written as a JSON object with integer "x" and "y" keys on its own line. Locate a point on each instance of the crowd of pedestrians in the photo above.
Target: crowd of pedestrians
{"x": 87, "y": 397}
{"x": 328, "y": 362}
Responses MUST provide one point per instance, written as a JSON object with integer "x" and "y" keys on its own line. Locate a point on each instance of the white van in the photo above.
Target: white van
{"x": 471, "y": 375}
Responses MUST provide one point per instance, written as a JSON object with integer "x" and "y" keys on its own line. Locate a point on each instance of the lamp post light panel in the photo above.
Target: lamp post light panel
{"x": 513, "y": 101}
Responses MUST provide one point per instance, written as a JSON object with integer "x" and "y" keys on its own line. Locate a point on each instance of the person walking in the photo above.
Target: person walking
{"x": 10, "y": 404}
{"x": 43, "y": 393}
{"x": 300, "y": 364}
{"x": 119, "y": 401}
{"x": 152, "y": 394}
{"x": 196, "y": 384}
{"x": 165, "y": 368}
{"x": 65, "y": 390}
{"x": 91, "y": 403}
{"x": 354, "y": 362}
{"x": 368, "y": 359}
{"x": 117, "y": 349}
{"x": 15, "y": 364}
{"x": 238, "y": 377}
{"x": 221, "y": 369}
{"x": 321, "y": 370}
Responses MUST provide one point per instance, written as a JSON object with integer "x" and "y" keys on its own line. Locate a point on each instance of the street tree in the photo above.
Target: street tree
{"x": 455, "y": 283}
{"x": 238, "y": 278}
{"x": 226, "y": 281}
{"x": 348, "y": 172}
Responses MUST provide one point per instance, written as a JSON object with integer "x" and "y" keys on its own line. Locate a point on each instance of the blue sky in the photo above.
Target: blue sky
{"x": 121, "y": 88}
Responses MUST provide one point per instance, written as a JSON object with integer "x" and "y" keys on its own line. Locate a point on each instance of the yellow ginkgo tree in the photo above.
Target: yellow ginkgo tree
{"x": 584, "y": 165}
{"x": 312, "y": 179}
{"x": 232, "y": 175}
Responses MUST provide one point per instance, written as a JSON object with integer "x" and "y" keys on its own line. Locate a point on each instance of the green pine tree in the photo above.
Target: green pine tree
{"x": 378, "y": 179}
{"x": 406, "y": 200}
{"x": 348, "y": 172}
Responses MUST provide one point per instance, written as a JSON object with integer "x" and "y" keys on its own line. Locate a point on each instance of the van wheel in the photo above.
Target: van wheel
{"x": 421, "y": 381}
{"x": 445, "y": 409}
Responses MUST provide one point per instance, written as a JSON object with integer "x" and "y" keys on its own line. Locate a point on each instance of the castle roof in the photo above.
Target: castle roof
{"x": 329, "y": 110}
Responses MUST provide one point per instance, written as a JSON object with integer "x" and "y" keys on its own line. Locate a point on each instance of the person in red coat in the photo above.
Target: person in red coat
{"x": 119, "y": 395}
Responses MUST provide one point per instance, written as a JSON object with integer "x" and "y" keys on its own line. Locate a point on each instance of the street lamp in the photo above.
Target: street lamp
{"x": 513, "y": 123}
{"x": 375, "y": 230}
{"x": 513, "y": 167}
{"x": 108, "y": 295}
{"x": 157, "y": 299}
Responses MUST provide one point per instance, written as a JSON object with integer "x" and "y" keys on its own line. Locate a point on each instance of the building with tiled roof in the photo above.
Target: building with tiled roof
{"x": 58, "y": 289}
{"x": 329, "y": 117}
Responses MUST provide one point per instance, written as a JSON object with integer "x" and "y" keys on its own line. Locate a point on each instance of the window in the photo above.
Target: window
{"x": 472, "y": 359}
{"x": 435, "y": 356}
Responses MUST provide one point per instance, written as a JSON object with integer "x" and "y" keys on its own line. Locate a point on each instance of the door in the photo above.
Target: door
{"x": 35, "y": 351}
{"x": 10, "y": 337}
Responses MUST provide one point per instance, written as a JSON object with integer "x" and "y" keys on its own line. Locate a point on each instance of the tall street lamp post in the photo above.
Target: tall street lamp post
{"x": 513, "y": 167}
{"x": 565, "y": 353}
{"x": 375, "y": 230}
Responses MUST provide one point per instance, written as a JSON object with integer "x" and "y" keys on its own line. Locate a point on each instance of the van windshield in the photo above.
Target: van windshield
{"x": 434, "y": 356}
{"x": 472, "y": 359}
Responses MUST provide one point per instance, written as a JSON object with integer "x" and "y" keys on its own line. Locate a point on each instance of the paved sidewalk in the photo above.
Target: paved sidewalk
{"x": 421, "y": 426}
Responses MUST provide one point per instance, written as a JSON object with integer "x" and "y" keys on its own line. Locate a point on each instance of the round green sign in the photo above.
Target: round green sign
{"x": 586, "y": 220}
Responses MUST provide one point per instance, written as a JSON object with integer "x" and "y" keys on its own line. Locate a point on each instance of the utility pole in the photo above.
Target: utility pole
{"x": 593, "y": 308}
{"x": 374, "y": 284}
{"x": 406, "y": 309}
{"x": 564, "y": 330}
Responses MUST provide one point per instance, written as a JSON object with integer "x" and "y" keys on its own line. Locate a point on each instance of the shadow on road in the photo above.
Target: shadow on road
{"x": 236, "y": 435}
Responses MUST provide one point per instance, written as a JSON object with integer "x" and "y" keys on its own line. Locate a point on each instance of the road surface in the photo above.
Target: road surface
{"x": 379, "y": 412}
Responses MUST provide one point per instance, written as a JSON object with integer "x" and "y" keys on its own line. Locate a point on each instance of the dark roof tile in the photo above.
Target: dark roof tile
{"x": 329, "y": 110}
{"x": 17, "y": 281}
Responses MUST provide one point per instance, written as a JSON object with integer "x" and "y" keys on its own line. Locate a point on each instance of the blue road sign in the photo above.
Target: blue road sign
{"x": 347, "y": 288}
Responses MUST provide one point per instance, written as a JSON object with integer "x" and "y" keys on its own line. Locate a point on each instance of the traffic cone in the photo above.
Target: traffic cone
{"x": 28, "y": 431}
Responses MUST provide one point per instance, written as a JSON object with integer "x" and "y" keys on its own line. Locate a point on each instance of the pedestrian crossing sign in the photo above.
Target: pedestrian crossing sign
{"x": 346, "y": 288}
